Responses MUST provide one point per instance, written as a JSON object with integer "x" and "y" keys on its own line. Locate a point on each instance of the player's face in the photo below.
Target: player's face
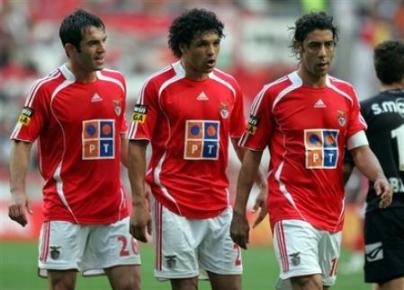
{"x": 199, "y": 58}
{"x": 316, "y": 54}
{"x": 92, "y": 49}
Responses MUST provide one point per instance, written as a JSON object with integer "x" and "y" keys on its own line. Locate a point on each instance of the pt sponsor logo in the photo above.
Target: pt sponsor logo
{"x": 321, "y": 148}
{"x": 98, "y": 139}
{"x": 201, "y": 140}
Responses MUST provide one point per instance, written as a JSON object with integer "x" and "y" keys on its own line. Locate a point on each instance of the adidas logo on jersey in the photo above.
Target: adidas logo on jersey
{"x": 202, "y": 97}
{"x": 96, "y": 98}
{"x": 319, "y": 104}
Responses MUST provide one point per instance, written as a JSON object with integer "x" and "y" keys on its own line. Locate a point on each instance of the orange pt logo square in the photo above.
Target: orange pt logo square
{"x": 314, "y": 158}
{"x": 193, "y": 149}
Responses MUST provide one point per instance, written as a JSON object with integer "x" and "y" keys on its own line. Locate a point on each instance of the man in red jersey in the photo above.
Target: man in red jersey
{"x": 188, "y": 111}
{"x": 306, "y": 119}
{"x": 77, "y": 114}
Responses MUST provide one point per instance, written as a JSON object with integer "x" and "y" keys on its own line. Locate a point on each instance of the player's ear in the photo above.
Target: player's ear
{"x": 297, "y": 47}
{"x": 183, "y": 48}
{"x": 69, "y": 49}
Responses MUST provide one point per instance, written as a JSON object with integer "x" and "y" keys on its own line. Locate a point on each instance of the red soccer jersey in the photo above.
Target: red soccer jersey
{"x": 306, "y": 130}
{"x": 189, "y": 124}
{"x": 78, "y": 126}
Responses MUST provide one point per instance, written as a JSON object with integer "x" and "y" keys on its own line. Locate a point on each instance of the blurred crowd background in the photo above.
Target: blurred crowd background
{"x": 255, "y": 49}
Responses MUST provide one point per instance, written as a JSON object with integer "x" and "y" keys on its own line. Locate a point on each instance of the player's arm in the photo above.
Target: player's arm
{"x": 124, "y": 149}
{"x": 366, "y": 161}
{"x": 140, "y": 220}
{"x": 261, "y": 200}
{"x": 19, "y": 161}
{"x": 239, "y": 229}
{"x": 347, "y": 166}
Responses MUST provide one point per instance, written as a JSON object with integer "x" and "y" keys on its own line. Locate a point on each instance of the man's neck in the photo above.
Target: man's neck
{"x": 81, "y": 75}
{"x": 393, "y": 86}
{"x": 311, "y": 80}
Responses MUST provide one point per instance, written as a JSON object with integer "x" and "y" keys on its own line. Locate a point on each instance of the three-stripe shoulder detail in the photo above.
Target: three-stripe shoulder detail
{"x": 38, "y": 84}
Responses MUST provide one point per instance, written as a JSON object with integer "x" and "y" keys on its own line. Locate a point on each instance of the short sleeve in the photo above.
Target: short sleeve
{"x": 237, "y": 125}
{"x": 145, "y": 114}
{"x": 33, "y": 116}
{"x": 356, "y": 121}
{"x": 260, "y": 123}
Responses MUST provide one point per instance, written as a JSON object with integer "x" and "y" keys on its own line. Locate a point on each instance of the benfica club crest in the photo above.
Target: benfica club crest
{"x": 54, "y": 253}
{"x": 171, "y": 261}
{"x": 341, "y": 115}
{"x": 224, "y": 110}
{"x": 295, "y": 258}
{"x": 117, "y": 107}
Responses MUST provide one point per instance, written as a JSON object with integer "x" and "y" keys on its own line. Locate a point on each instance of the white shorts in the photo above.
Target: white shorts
{"x": 303, "y": 250}
{"x": 86, "y": 248}
{"x": 184, "y": 246}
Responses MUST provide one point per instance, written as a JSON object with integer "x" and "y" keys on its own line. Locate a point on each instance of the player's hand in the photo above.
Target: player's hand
{"x": 261, "y": 205}
{"x": 18, "y": 207}
{"x": 384, "y": 191}
{"x": 239, "y": 229}
{"x": 140, "y": 222}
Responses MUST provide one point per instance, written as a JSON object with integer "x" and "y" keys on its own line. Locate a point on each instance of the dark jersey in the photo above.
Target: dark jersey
{"x": 384, "y": 115}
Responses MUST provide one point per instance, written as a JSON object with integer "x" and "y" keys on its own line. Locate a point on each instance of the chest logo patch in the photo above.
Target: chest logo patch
{"x": 201, "y": 140}
{"x": 117, "y": 107}
{"x": 321, "y": 148}
{"x": 224, "y": 111}
{"x": 341, "y": 115}
{"x": 98, "y": 139}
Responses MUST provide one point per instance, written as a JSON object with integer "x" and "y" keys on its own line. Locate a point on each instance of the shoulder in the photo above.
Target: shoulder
{"x": 163, "y": 77}
{"x": 48, "y": 83}
{"x": 343, "y": 88}
{"x": 106, "y": 72}
{"x": 43, "y": 89}
{"x": 224, "y": 76}
{"x": 341, "y": 85}
{"x": 281, "y": 86}
{"x": 226, "y": 80}
{"x": 112, "y": 76}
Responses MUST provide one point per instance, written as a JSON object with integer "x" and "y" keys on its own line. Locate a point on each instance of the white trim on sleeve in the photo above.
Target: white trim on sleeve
{"x": 357, "y": 140}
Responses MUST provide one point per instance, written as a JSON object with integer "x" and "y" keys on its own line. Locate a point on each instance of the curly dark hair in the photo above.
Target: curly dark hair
{"x": 191, "y": 23}
{"x": 309, "y": 22}
{"x": 72, "y": 27}
{"x": 389, "y": 61}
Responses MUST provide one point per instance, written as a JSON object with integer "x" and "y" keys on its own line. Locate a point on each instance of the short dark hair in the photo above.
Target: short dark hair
{"x": 72, "y": 27}
{"x": 312, "y": 21}
{"x": 191, "y": 23}
{"x": 389, "y": 61}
